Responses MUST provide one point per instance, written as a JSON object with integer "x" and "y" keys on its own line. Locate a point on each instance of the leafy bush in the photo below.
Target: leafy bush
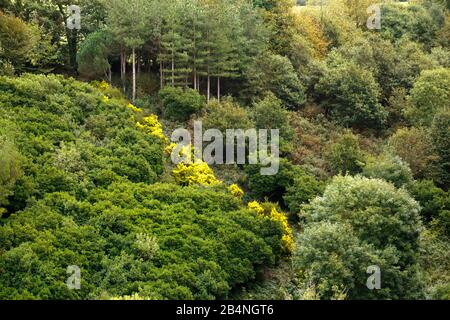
{"x": 430, "y": 95}
{"x": 179, "y": 104}
{"x": 205, "y": 244}
{"x": 226, "y": 114}
{"x": 304, "y": 188}
{"x": 274, "y": 73}
{"x": 360, "y": 222}
{"x": 435, "y": 204}
{"x": 414, "y": 145}
{"x": 351, "y": 95}
{"x": 441, "y": 141}
{"x": 345, "y": 155}
{"x": 271, "y": 186}
{"x": 10, "y": 169}
{"x": 270, "y": 113}
{"x": 390, "y": 168}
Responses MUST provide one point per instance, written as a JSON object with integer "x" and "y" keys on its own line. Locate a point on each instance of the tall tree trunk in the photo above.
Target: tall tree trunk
{"x": 138, "y": 59}
{"x": 195, "y": 55}
{"x": 134, "y": 76}
{"x": 123, "y": 70}
{"x": 110, "y": 76}
{"x": 161, "y": 66}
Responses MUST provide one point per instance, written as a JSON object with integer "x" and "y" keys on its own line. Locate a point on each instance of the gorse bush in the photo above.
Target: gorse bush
{"x": 78, "y": 188}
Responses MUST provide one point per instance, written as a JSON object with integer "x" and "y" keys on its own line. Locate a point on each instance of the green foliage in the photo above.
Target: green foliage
{"x": 17, "y": 39}
{"x": 414, "y": 145}
{"x": 270, "y": 113}
{"x": 430, "y": 94}
{"x": 435, "y": 263}
{"x": 72, "y": 140}
{"x": 225, "y": 115}
{"x": 93, "y": 55}
{"x": 95, "y": 206}
{"x": 304, "y": 188}
{"x": 202, "y": 243}
{"x": 179, "y": 104}
{"x": 345, "y": 155}
{"x": 271, "y": 186}
{"x": 10, "y": 169}
{"x": 351, "y": 95}
{"x": 434, "y": 202}
{"x": 412, "y": 21}
{"x": 274, "y": 73}
{"x": 360, "y": 222}
{"x": 390, "y": 168}
{"x": 440, "y": 134}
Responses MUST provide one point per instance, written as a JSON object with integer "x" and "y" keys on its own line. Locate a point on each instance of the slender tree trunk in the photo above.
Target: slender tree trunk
{"x": 134, "y": 76}
{"x": 109, "y": 76}
{"x": 138, "y": 59}
{"x": 195, "y": 55}
{"x": 123, "y": 70}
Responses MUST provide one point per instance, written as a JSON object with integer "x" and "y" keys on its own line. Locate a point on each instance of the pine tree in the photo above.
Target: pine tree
{"x": 129, "y": 21}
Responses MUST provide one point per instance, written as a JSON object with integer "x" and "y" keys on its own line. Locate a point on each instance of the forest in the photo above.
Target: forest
{"x": 92, "y": 90}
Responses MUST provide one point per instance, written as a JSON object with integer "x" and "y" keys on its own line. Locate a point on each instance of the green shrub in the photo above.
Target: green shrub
{"x": 345, "y": 155}
{"x": 359, "y": 222}
{"x": 303, "y": 190}
{"x": 270, "y": 113}
{"x": 440, "y": 134}
{"x": 351, "y": 95}
{"x": 430, "y": 95}
{"x": 226, "y": 114}
{"x": 179, "y": 104}
{"x": 271, "y": 186}
{"x": 390, "y": 168}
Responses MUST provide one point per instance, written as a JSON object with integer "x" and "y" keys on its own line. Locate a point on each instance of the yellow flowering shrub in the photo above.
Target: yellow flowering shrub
{"x": 169, "y": 149}
{"x": 197, "y": 172}
{"x": 134, "y": 108}
{"x": 287, "y": 240}
{"x": 255, "y": 206}
{"x": 103, "y": 85}
{"x": 105, "y": 99}
{"x": 152, "y": 126}
{"x": 236, "y": 191}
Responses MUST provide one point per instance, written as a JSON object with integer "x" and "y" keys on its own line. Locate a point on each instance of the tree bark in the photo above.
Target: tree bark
{"x": 123, "y": 70}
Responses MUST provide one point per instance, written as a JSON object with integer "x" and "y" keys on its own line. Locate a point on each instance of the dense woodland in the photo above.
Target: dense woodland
{"x": 86, "y": 177}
